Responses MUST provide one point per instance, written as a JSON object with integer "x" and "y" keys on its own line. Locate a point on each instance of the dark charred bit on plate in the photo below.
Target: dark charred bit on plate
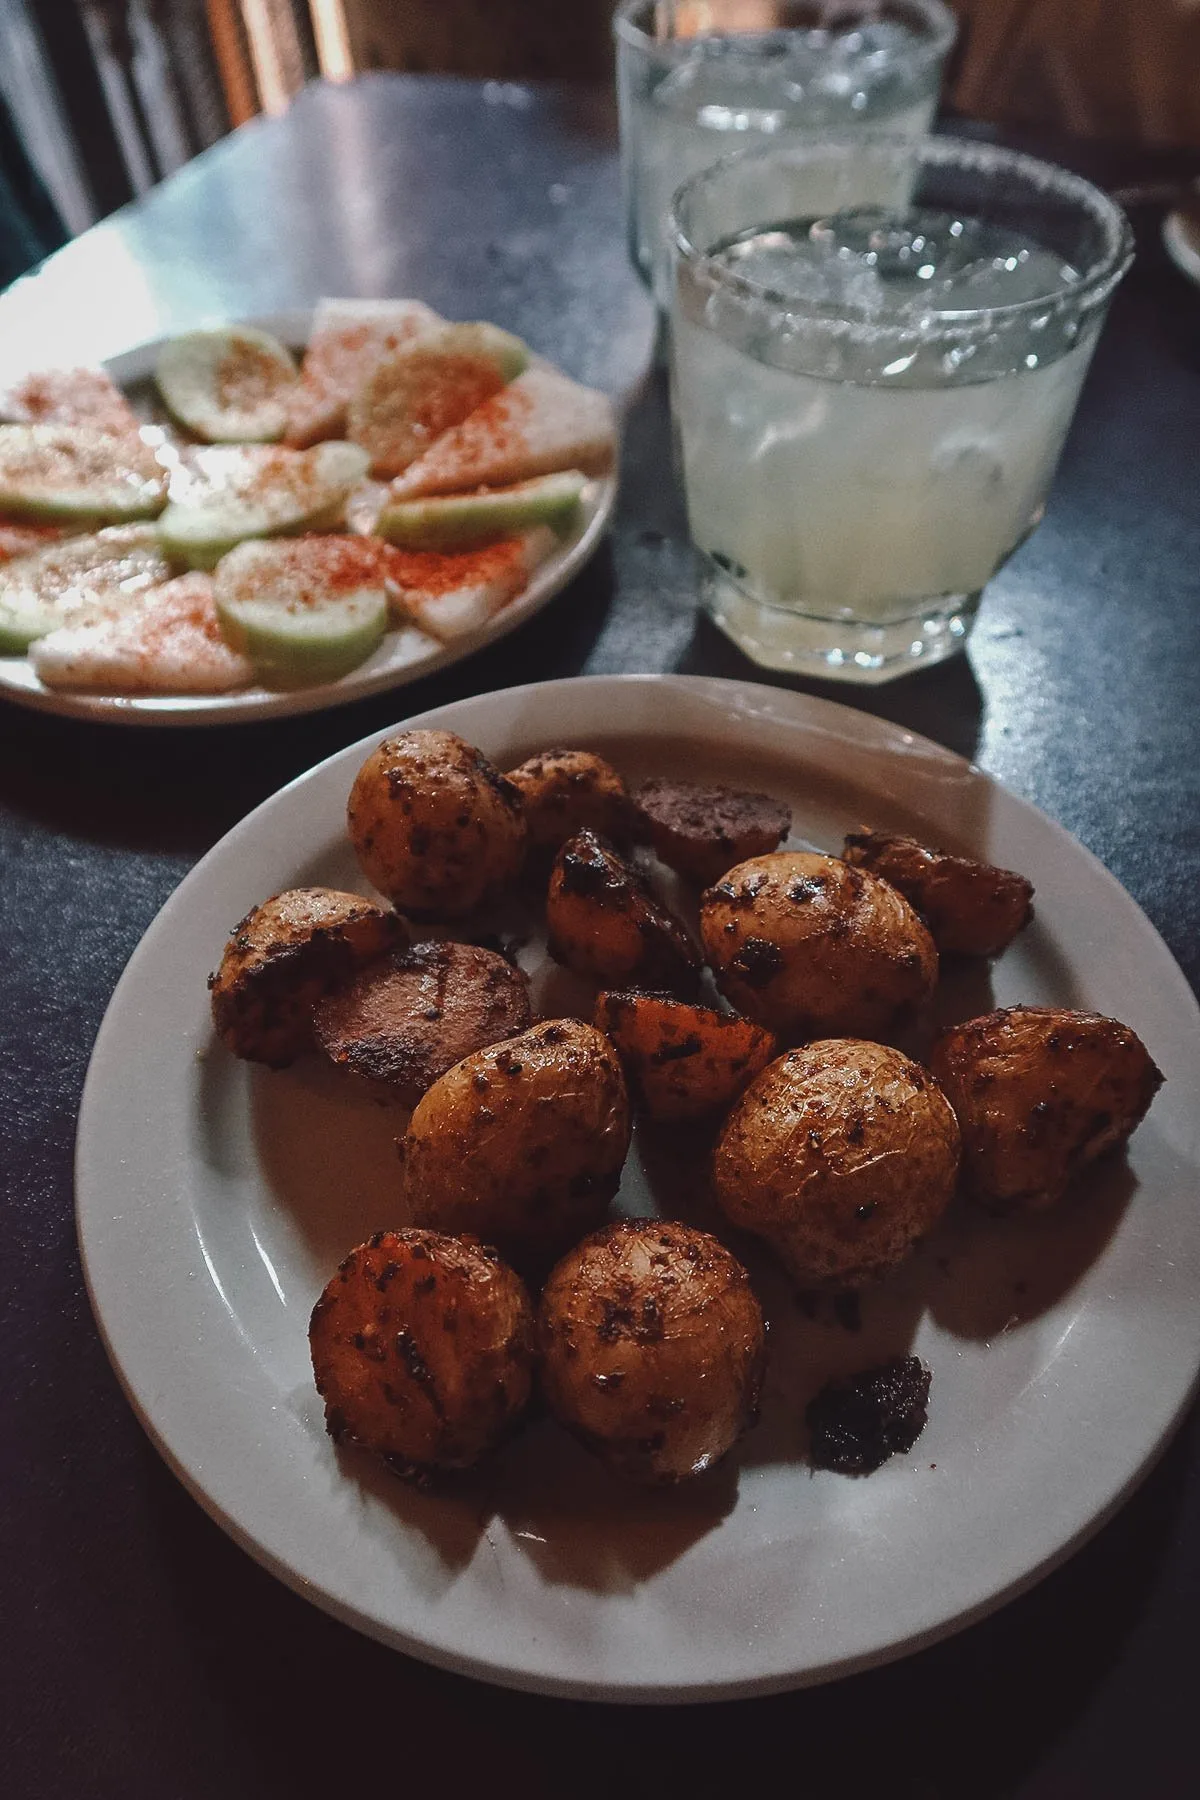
{"x": 858, "y": 1423}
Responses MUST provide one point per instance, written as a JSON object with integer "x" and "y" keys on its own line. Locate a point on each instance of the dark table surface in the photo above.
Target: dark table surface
{"x": 141, "y": 1652}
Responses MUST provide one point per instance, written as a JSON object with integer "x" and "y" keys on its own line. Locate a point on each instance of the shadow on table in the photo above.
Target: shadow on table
{"x": 944, "y": 702}
{"x": 174, "y": 792}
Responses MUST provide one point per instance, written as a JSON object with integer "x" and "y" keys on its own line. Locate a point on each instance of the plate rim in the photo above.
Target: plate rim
{"x": 245, "y": 707}
{"x": 1182, "y": 239}
{"x": 878, "y": 735}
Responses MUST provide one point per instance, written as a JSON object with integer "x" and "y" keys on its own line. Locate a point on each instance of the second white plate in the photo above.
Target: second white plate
{"x": 403, "y": 657}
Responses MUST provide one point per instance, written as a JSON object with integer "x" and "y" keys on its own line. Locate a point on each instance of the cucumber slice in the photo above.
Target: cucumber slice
{"x": 479, "y": 338}
{"x": 304, "y": 610}
{"x": 227, "y": 386}
{"x": 465, "y": 521}
{"x": 255, "y": 492}
{"x": 424, "y": 388}
{"x": 107, "y": 571}
{"x": 76, "y": 473}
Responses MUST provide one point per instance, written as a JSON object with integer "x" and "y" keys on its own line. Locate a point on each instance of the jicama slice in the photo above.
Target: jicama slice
{"x": 75, "y": 473}
{"x": 420, "y": 391}
{"x": 348, "y": 339}
{"x": 463, "y": 521}
{"x": 540, "y": 423}
{"x": 230, "y": 494}
{"x": 70, "y": 397}
{"x": 227, "y": 386}
{"x": 171, "y": 643}
{"x": 105, "y": 572}
{"x": 19, "y": 540}
{"x": 451, "y": 594}
{"x": 307, "y": 609}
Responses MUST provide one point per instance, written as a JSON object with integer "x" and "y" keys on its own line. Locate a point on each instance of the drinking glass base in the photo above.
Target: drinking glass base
{"x": 777, "y": 637}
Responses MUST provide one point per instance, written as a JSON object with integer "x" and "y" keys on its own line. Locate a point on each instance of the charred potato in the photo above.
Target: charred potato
{"x": 702, "y": 831}
{"x": 605, "y": 923}
{"x": 565, "y": 791}
{"x": 522, "y": 1143}
{"x": 811, "y": 948}
{"x": 682, "y": 1061}
{"x": 1039, "y": 1093}
{"x": 971, "y": 908}
{"x": 652, "y": 1348}
{"x": 434, "y": 826}
{"x": 841, "y": 1156}
{"x": 407, "y": 1018}
{"x": 422, "y": 1350}
{"x": 282, "y": 957}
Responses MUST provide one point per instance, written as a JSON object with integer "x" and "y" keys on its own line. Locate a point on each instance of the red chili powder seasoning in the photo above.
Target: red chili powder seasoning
{"x": 246, "y": 375}
{"x": 74, "y": 397}
{"x": 499, "y": 424}
{"x": 436, "y": 572}
{"x": 18, "y": 540}
{"x": 315, "y": 566}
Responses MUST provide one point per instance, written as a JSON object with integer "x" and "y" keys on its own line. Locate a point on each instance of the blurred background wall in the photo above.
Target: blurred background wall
{"x": 99, "y": 99}
{"x": 1122, "y": 69}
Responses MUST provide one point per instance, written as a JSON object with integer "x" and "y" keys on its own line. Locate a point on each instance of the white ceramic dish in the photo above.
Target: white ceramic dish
{"x": 1181, "y": 235}
{"x": 403, "y": 657}
{"x": 214, "y": 1201}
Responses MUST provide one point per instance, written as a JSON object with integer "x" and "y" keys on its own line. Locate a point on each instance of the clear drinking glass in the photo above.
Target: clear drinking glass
{"x": 877, "y": 347}
{"x": 697, "y": 79}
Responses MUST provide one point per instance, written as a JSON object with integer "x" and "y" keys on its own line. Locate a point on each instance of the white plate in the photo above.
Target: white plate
{"x": 404, "y": 656}
{"x": 1181, "y": 235}
{"x": 214, "y": 1202}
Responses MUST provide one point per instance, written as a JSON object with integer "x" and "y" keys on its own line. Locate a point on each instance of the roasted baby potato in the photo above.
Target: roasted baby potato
{"x": 422, "y": 1350}
{"x": 700, "y": 832}
{"x": 971, "y": 908}
{"x": 283, "y": 956}
{"x": 811, "y": 948}
{"x": 409, "y": 1017}
{"x": 652, "y": 1348}
{"x": 683, "y": 1061}
{"x": 565, "y": 791}
{"x": 841, "y": 1155}
{"x": 605, "y": 923}
{"x": 522, "y": 1143}
{"x": 1039, "y": 1093}
{"x": 434, "y": 826}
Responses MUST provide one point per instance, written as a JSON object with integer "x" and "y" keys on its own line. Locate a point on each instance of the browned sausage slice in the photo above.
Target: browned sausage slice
{"x": 408, "y": 1018}
{"x": 701, "y": 832}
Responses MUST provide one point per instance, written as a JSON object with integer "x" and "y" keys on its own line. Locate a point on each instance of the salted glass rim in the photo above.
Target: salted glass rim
{"x": 1093, "y": 285}
{"x": 942, "y": 32}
